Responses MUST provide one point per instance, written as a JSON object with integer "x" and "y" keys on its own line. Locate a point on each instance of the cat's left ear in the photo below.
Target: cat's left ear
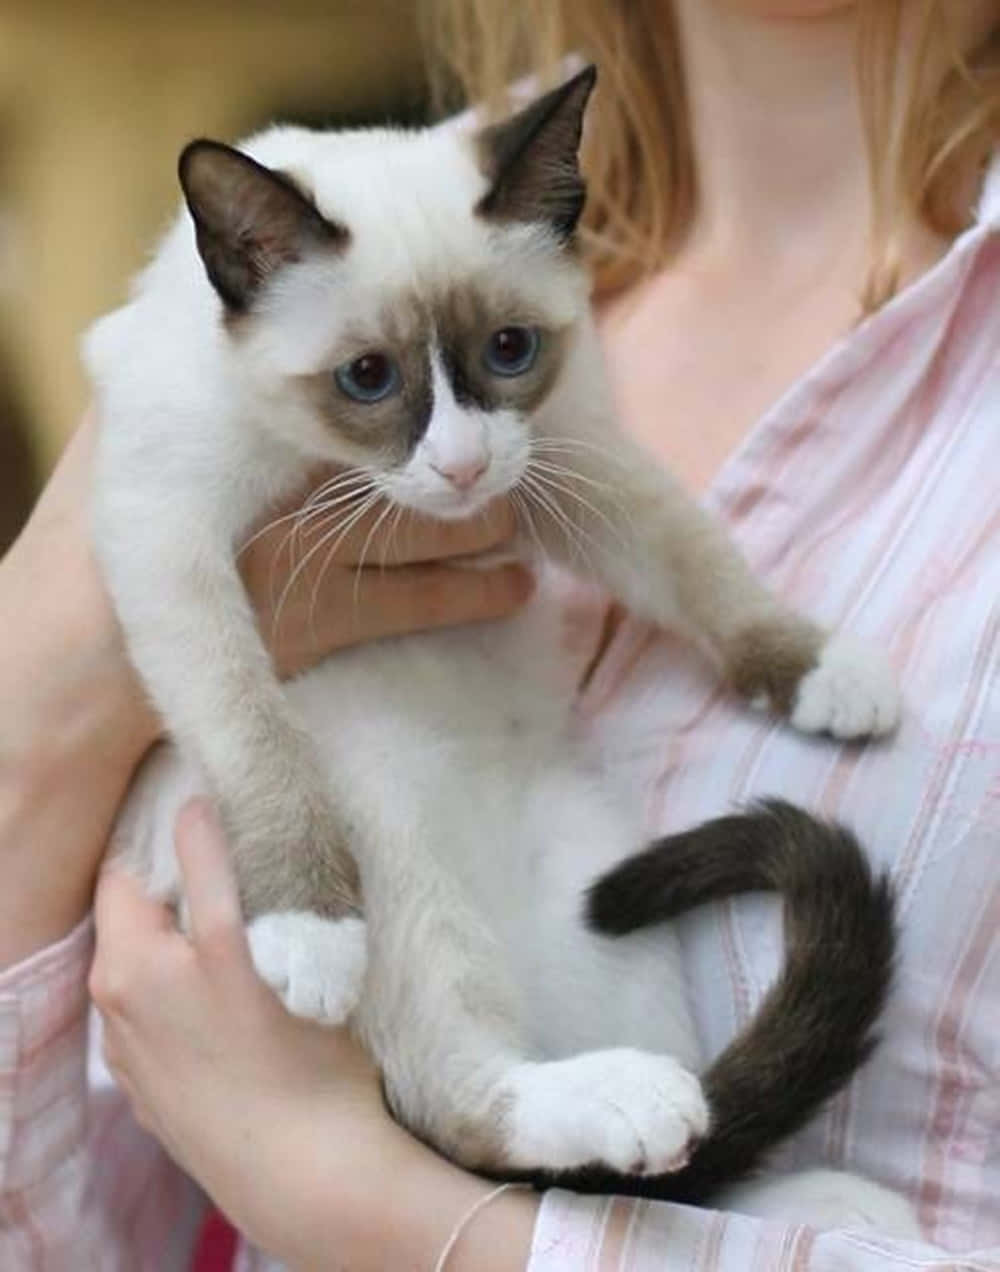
{"x": 532, "y": 159}
{"x": 249, "y": 220}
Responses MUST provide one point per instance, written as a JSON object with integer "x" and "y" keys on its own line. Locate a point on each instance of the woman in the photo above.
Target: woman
{"x": 746, "y": 193}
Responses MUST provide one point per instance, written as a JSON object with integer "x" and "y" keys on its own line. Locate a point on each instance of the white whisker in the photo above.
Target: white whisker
{"x": 576, "y": 538}
{"x": 394, "y": 525}
{"x": 523, "y": 508}
{"x": 562, "y": 488}
{"x": 341, "y": 530}
{"x": 386, "y": 511}
{"x": 343, "y": 526}
{"x": 309, "y": 506}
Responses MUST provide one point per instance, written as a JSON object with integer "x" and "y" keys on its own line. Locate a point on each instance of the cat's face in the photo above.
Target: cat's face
{"x": 407, "y": 301}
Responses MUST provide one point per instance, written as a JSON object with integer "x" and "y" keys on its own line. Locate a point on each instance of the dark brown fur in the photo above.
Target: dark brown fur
{"x": 249, "y": 220}
{"x": 458, "y": 324}
{"x": 770, "y": 659}
{"x": 390, "y": 428}
{"x": 531, "y": 159}
{"x": 814, "y": 1027}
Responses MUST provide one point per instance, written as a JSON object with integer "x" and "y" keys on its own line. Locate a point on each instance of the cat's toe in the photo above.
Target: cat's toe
{"x": 850, "y": 693}
{"x": 316, "y": 966}
{"x": 626, "y": 1110}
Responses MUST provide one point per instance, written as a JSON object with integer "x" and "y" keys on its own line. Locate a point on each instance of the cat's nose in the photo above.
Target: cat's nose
{"x": 462, "y": 474}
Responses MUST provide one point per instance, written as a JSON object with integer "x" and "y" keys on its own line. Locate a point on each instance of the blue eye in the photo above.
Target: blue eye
{"x": 512, "y": 350}
{"x": 370, "y": 378}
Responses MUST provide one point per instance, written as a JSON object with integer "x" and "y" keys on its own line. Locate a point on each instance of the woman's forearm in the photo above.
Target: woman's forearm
{"x": 72, "y": 728}
{"x": 406, "y": 1208}
{"x": 73, "y": 721}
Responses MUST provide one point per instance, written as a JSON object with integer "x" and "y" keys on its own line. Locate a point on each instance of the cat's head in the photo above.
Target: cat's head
{"x": 403, "y": 301}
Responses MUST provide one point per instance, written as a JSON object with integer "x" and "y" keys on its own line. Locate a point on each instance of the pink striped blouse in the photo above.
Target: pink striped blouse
{"x": 869, "y": 495}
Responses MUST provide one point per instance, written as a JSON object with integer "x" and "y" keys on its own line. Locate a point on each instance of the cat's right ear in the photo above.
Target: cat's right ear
{"x": 249, "y": 220}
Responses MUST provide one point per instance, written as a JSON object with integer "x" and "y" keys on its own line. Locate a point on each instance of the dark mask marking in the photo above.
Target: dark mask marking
{"x": 389, "y": 430}
{"x": 464, "y": 319}
{"x": 456, "y": 323}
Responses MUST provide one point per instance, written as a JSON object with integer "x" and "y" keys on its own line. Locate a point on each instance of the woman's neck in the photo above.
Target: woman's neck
{"x": 777, "y": 131}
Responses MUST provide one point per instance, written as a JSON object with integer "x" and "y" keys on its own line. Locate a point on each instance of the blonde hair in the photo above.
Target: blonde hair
{"x": 926, "y": 131}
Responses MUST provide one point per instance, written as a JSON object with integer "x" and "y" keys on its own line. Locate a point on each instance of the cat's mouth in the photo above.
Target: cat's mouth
{"x": 458, "y": 506}
{"x": 447, "y": 502}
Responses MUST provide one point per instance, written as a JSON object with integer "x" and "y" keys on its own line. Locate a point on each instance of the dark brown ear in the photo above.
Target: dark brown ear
{"x": 249, "y": 220}
{"x": 532, "y": 159}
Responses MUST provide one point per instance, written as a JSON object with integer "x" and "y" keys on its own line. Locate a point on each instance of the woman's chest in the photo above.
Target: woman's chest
{"x": 694, "y": 367}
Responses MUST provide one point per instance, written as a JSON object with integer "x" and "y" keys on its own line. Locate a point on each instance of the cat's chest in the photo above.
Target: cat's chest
{"x": 483, "y": 699}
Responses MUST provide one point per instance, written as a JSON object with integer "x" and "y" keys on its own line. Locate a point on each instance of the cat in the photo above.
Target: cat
{"x": 413, "y": 306}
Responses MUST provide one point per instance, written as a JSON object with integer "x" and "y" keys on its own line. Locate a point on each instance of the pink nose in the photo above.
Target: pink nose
{"x": 463, "y": 474}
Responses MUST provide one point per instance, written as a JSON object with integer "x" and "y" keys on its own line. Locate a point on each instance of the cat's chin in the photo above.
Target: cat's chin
{"x": 449, "y": 508}
{"x": 459, "y": 511}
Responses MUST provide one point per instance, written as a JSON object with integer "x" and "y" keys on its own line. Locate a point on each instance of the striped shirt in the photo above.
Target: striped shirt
{"x": 870, "y": 497}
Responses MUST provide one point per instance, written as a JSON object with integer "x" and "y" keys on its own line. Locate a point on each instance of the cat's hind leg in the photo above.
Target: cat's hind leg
{"x": 443, "y": 1017}
{"x": 631, "y": 1111}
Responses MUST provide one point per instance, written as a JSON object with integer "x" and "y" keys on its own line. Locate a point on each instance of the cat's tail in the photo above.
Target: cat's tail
{"x": 815, "y": 1026}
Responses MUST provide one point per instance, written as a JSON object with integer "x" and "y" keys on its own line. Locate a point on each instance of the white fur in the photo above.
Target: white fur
{"x": 315, "y": 966}
{"x": 500, "y": 1022}
{"x": 851, "y": 693}
{"x": 635, "y": 1111}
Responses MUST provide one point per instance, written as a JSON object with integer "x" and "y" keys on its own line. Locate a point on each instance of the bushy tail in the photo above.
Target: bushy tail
{"x": 815, "y": 1026}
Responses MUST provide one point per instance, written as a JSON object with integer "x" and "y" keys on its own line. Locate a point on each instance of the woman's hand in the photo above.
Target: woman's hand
{"x": 322, "y": 582}
{"x": 75, "y": 721}
{"x": 280, "y": 1120}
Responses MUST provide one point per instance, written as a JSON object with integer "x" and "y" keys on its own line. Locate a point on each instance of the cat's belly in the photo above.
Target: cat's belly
{"x": 525, "y": 823}
{"x": 436, "y": 741}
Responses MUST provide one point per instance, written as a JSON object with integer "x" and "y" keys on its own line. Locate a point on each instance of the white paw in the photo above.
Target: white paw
{"x": 850, "y": 693}
{"x": 316, "y": 966}
{"x": 628, "y": 1110}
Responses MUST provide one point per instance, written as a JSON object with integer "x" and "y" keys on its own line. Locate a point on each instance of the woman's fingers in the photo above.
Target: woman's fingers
{"x": 124, "y": 911}
{"x": 376, "y": 604}
{"x": 412, "y": 538}
{"x": 213, "y": 902}
{"x": 322, "y": 581}
{"x": 313, "y": 542}
{"x": 418, "y": 597}
{"x": 128, "y": 922}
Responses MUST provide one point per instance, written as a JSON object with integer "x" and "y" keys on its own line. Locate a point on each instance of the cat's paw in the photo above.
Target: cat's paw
{"x": 316, "y": 966}
{"x": 631, "y": 1111}
{"x": 850, "y": 693}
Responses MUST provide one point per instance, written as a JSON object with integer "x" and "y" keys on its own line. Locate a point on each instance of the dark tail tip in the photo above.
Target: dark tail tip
{"x": 717, "y": 859}
{"x": 816, "y": 1025}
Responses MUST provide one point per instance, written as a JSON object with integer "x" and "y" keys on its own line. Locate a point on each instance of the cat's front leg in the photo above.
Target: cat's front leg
{"x": 192, "y": 636}
{"x": 654, "y": 547}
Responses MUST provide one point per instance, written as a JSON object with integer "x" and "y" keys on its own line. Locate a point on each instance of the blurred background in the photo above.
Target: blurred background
{"x": 97, "y": 97}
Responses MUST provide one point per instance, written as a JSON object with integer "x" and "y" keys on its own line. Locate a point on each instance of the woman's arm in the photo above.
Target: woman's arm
{"x": 74, "y": 722}
{"x": 281, "y": 1120}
